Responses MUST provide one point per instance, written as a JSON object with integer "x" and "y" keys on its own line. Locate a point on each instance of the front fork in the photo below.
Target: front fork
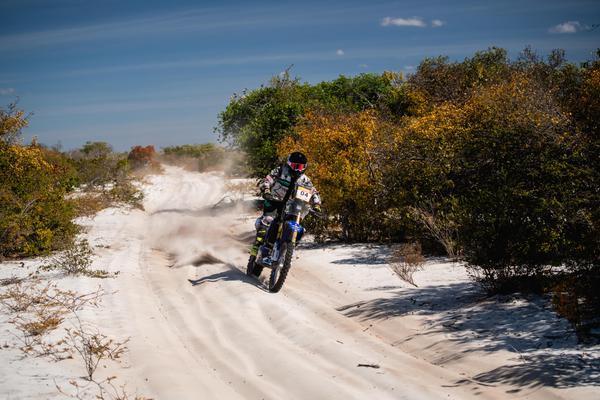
{"x": 276, "y": 248}
{"x": 295, "y": 233}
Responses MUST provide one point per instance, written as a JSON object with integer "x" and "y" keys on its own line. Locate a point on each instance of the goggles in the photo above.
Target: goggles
{"x": 297, "y": 166}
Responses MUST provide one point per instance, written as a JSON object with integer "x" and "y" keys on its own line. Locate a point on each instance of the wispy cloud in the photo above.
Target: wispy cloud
{"x": 179, "y": 22}
{"x": 209, "y": 62}
{"x": 417, "y": 22}
{"x": 339, "y": 52}
{"x": 6, "y": 91}
{"x": 414, "y": 21}
{"x": 358, "y": 53}
{"x": 568, "y": 27}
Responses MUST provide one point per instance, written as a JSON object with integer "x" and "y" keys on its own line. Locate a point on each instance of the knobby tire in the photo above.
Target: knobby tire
{"x": 253, "y": 269}
{"x": 276, "y": 282}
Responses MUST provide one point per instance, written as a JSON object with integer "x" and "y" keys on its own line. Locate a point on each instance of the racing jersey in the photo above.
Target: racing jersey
{"x": 279, "y": 179}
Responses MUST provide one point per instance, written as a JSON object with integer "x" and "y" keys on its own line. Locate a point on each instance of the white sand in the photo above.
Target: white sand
{"x": 205, "y": 331}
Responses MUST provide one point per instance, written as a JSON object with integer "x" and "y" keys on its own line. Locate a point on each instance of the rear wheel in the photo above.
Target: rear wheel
{"x": 253, "y": 269}
{"x": 278, "y": 275}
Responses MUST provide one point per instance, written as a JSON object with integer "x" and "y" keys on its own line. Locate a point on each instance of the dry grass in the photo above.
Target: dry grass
{"x": 406, "y": 259}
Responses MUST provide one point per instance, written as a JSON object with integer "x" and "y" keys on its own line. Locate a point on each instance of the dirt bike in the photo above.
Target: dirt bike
{"x": 287, "y": 232}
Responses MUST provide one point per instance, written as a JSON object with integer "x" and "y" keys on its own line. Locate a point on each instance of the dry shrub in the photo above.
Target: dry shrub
{"x": 565, "y": 300}
{"x": 34, "y": 295}
{"x": 39, "y": 308}
{"x": 406, "y": 259}
{"x": 76, "y": 260}
{"x": 55, "y": 350}
{"x": 103, "y": 390}
{"x": 441, "y": 228}
{"x": 22, "y": 296}
{"x": 42, "y": 323}
{"x": 10, "y": 281}
{"x": 576, "y": 298}
{"x": 93, "y": 347}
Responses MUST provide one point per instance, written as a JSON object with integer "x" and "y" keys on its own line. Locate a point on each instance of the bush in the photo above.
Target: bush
{"x": 12, "y": 120}
{"x": 519, "y": 175}
{"x": 98, "y": 165}
{"x": 142, "y": 157}
{"x": 35, "y": 217}
{"x": 105, "y": 176}
{"x": 204, "y": 157}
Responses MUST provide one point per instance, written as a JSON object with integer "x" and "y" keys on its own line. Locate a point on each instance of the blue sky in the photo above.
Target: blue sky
{"x": 159, "y": 72}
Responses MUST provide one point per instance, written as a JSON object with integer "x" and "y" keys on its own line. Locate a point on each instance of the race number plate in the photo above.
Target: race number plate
{"x": 303, "y": 193}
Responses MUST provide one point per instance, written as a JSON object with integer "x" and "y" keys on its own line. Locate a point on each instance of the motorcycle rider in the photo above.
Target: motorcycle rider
{"x": 274, "y": 188}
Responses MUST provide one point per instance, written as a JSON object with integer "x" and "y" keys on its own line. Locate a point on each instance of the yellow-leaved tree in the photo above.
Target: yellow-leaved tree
{"x": 35, "y": 217}
{"x": 341, "y": 161}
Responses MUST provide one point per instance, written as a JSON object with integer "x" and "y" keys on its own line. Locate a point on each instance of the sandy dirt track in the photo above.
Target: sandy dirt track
{"x": 200, "y": 329}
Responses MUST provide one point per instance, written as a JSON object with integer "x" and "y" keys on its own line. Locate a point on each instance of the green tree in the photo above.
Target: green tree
{"x": 257, "y": 120}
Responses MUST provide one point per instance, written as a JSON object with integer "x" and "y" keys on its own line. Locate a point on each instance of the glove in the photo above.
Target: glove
{"x": 267, "y": 195}
{"x": 316, "y": 210}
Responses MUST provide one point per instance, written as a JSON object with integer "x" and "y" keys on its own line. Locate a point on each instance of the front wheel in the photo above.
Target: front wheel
{"x": 278, "y": 275}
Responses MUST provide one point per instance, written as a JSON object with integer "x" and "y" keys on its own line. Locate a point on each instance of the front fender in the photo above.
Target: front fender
{"x": 288, "y": 231}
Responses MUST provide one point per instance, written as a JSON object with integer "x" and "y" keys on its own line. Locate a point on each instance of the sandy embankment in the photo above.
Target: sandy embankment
{"x": 204, "y": 330}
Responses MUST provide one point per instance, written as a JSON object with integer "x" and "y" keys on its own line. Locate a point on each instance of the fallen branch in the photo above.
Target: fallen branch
{"x": 369, "y": 366}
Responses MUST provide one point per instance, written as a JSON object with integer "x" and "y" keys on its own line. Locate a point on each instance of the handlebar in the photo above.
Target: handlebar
{"x": 318, "y": 214}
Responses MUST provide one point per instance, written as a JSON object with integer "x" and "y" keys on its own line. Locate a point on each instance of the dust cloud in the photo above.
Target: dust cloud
{"x": 195, "y": 217}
